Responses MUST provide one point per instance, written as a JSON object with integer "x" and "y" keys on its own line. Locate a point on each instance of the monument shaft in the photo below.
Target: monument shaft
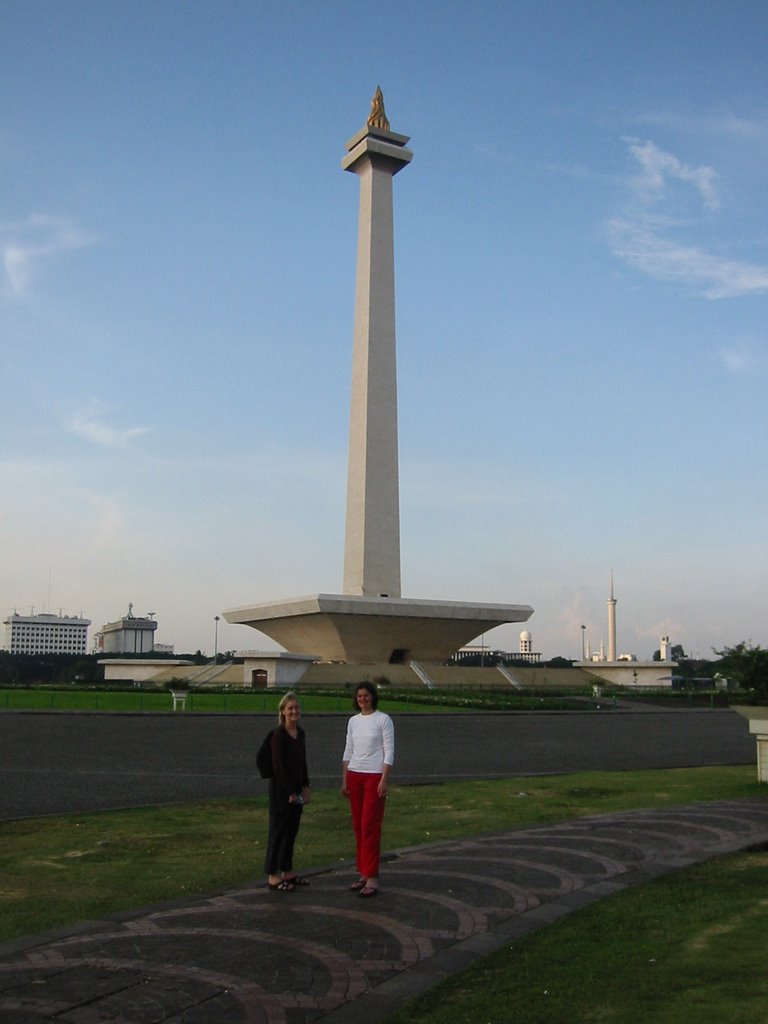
{"x": 372, "y": 537}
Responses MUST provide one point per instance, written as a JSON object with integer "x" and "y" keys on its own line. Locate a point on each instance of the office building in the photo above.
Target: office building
{"x": 46, "y": 634}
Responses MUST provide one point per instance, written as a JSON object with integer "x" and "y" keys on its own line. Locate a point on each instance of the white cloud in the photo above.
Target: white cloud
{"x": 575, "y": 613}
{"x": 89, "y": 425}
{"x": 750, "y": 129}
{"x": 642, "y": 238}
{"x": 642, "y": 247}
{"x": 664, "y": 627}
{"x": 24, "y": 243}
{"x": 740, "y": 360}
{"x": 658, "y": 166}
{"x": 108, "y": 520}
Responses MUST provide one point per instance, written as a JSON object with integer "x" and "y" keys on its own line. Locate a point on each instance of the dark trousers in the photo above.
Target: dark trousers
{"x": 284, "y": 821}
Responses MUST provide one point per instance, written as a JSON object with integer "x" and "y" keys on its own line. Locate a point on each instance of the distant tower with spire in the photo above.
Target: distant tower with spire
{"x": 611, "y": 624}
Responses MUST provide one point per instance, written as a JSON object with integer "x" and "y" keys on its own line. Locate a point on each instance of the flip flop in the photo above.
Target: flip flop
{"x": 284, "y": 885}
{"x": 367, "y": 891}
{"x": 358, "y": 885}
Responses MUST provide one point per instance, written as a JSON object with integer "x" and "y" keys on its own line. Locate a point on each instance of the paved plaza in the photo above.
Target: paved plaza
{"x": 252, "y": 956}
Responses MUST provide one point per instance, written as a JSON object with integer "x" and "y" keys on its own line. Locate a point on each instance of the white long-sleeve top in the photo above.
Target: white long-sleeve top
{"x": 370, "y": 743}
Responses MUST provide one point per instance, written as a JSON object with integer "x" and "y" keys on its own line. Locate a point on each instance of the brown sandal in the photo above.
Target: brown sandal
{"x": 358, "y": 885}
{"x": 367, "y": 891}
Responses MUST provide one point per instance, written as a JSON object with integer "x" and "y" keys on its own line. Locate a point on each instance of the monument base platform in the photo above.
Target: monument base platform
{"x": 357, "y": 630}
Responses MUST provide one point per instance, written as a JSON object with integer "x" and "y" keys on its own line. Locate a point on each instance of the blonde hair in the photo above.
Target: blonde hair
{"x": 290, "y": 696}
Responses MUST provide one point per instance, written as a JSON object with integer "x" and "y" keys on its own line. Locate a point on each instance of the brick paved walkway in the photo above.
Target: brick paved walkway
{"x": 251, "y": 956}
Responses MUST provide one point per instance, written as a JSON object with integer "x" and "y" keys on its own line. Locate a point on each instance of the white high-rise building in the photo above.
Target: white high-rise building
{"x": 46, "y": 634}
{"x": 133, "y": 634}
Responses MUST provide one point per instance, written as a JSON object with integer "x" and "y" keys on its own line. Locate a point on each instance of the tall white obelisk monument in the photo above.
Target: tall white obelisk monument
{"x": 372, "y": 539}
{"x": 371, "y": 622}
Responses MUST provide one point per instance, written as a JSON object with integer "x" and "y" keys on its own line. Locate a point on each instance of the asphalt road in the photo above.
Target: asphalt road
{"x": 52, "y": 763}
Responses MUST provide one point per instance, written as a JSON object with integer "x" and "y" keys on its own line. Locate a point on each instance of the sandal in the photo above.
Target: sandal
{"x": 297, "y": 880}
{"x": 358, "y": 885}
{"x": 284, "y": 885}
{"x": 367, "y": 891}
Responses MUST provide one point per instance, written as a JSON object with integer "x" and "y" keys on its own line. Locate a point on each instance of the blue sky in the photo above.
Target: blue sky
{"x": 582, "y": 303}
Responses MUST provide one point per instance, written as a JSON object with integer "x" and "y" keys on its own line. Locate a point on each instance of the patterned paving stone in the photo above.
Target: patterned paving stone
{"x": 250, "y": 956}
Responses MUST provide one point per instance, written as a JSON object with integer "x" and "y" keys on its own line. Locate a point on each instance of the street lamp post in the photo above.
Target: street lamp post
{"x": 216, "y": 619}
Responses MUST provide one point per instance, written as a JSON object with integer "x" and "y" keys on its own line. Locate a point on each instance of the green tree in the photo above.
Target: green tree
{"x": 25, "y": 669}
{"x": 746, "y": 665}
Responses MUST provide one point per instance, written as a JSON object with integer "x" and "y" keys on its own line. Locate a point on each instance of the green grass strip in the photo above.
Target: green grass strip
{"x": 256, "y": 702}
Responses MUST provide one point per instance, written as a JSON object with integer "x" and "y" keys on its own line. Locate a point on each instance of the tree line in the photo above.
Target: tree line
{"x": 58, "y": 669}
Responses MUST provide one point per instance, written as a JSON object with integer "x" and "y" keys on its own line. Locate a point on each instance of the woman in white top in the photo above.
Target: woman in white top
{"x": 368, "y": 758}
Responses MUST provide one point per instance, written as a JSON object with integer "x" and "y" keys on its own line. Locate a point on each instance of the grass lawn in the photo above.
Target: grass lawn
{"x": 432, "y": 701}
{"x": 689, "y": 943}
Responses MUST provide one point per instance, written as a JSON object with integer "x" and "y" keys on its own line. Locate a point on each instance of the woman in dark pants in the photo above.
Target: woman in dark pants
{"x": 288, "y": 792}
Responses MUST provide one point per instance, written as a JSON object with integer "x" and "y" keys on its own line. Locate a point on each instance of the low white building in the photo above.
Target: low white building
{"x": 632, "y": 674}
{"x": 259, "y": 670}
{"x": 144, "y": 670}
{"x": 46, "y": 634}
